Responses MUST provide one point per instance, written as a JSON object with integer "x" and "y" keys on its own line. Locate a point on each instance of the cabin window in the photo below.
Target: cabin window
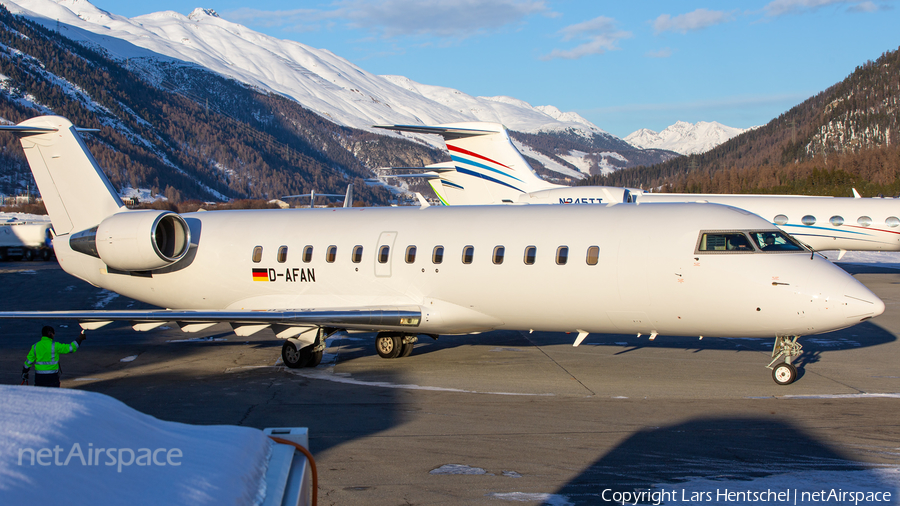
{"x": 384, "y": 252}
{"x": 864, "y": 221}
{"x": 808, "y": 220}
{"x": 331, "y": 254}
{"x": 593, "y": 255}
{"x": 410, "y": 254}
{"x": 437, "y": 256}
{"x": 892, "y": 222}
{"x": 562, "y": 255}
{"x": 257, "y": 254}
{"x": 282, "y": 254}
{"x": 307, "y": 254}
{"x": 356, "y": 255}
{"x": 468, "y": 253}
{"x": 497, "y": 257}
{"x": 735, "y": 242}
{"x": 530, "y": 254}
{"x": 837, "y": 221}
{"x": 781, "y": 219}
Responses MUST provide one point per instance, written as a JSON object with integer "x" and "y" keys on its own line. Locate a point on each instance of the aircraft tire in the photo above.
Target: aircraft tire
{"x": 294, "y": 357}
{"x": 45, "y": 254}
{"x": 314, "y": 359}
{"x": 784, "y": 373}
{"x": 28, "y": 255}
{"x": 388, "y": 345}
{"x": 406, "y": 349}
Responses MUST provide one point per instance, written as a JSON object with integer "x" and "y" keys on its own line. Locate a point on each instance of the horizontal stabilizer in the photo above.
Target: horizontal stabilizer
{"x": 448, "y": 132}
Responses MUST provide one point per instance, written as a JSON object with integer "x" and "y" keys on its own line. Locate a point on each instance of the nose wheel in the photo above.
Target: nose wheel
{"x": 787, "y": 347}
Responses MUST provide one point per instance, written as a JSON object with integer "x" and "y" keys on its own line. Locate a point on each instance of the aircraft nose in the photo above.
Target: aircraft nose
{"x": 861, "y": 304}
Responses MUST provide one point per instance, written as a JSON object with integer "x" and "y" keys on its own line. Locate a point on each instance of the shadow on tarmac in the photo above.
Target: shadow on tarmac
{"x": 728, "y": 451}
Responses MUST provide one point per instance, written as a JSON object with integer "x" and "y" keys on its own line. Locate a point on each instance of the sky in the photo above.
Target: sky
{"x": 623, "y": 65}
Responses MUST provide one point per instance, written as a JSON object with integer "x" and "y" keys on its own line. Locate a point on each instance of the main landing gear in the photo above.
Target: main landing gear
{"x": 295, "y": 356}
{"x": 785, "y": 373}
{"x": 394, "y": 344}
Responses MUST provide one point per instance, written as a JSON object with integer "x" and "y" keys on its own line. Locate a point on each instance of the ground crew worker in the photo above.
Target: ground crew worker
{"x": 44, "y": 356}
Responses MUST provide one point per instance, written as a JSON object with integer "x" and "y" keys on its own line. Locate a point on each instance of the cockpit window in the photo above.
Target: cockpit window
{"x": 748, "y": 241}
{"x": 733, "y": 242}
{"x": 775, "y": 241}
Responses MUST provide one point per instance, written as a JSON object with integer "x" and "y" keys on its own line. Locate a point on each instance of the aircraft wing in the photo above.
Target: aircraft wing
{"x": 367, "y": 318}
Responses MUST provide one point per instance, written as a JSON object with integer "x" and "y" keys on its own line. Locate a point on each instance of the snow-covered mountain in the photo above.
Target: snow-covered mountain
{"x": 320, "y": 80}
{"x": 684, "y": 137}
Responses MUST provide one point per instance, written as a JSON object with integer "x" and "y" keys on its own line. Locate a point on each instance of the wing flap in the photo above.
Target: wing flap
{"x": 367, "y": 318}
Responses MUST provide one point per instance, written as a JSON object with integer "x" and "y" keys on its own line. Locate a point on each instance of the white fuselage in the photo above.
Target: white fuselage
{"x": 649, "y": 276}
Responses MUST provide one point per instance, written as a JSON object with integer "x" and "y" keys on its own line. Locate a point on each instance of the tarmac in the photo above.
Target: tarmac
{"x": 511, "y": 417}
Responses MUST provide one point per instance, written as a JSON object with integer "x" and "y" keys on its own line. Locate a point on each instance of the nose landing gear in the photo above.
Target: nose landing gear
{"x": 785, "y": 373}
{"x": 295, "y": 355}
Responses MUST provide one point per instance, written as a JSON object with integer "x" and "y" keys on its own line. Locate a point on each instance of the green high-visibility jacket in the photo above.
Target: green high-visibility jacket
{"x": 44, "y": 355}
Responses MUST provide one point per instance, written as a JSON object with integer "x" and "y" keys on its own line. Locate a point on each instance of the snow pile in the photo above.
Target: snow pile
{"x": 684, "y": 138}
{"x": 60, "y": 446}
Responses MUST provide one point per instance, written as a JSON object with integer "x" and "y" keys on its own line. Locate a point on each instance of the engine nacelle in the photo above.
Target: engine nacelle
{"x": 136, "y": 240}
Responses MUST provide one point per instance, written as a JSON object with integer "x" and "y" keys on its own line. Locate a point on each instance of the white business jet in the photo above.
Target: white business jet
{"x": 486, "y": 168}
{"x": 676, "y": 269}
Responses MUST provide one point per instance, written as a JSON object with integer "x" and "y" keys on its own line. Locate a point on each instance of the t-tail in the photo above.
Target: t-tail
{"x": 75, "y": 191}
{"x": 90, "y": 221}
{"x": 486, "y": 167}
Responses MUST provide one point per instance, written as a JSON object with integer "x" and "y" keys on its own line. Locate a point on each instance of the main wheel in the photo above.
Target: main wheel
{"x": 45, "y": 254}
{"x": 784, "y": 373}
{"x": 406, "y": 349}
{"x": 388, "y": 345}
{"x": 315, "y": 358}
{"x": 28, "y": 255}
{"x": 294, "y": 357}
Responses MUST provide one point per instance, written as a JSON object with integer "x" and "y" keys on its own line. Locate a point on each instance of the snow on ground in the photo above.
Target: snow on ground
{"x": 548, "y": 162}
{"x": 882, "y": 258}
{"x": 13, "y": 217}
{"x": 577, "y": 159}
{"x": 94, "y": 449}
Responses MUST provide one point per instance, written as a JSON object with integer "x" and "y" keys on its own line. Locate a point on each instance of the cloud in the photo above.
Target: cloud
{"x": 783, "y": 7}
{"x": 662, "y": 53}
{"x": 692, "y": 21}
{"x": 599, "y": 35}
{"x": 397, "y": 18}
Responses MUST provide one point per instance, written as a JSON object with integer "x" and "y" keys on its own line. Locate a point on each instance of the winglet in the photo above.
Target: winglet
{"x": 856, "y": 194}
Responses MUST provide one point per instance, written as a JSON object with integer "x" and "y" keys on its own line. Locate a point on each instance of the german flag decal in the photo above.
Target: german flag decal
{"x": 260, "y": 274}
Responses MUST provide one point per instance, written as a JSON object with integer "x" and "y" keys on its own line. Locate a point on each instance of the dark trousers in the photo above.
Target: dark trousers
{"x": 46, "y": 380}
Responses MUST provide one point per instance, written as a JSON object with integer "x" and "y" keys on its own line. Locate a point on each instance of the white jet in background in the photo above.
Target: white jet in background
{"x": 674, "y": 269}
{"x": 486, "y": 168}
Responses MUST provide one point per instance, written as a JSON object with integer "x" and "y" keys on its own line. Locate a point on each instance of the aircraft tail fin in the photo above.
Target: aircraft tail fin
{"x": 488, "y": 167}
{"x": 74, "y": 189}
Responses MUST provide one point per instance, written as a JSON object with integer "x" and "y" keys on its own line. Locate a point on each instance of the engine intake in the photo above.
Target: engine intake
{"x": 136, "y": 240}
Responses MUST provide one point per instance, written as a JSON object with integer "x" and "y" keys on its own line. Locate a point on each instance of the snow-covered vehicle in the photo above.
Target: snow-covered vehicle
{"x": 28, "y": 240}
